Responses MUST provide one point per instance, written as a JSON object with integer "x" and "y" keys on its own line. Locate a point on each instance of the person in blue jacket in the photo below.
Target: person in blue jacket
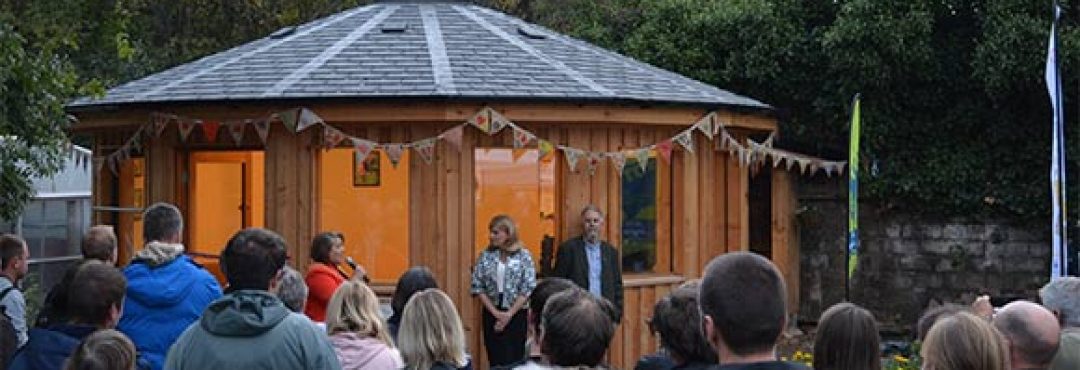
{"x": 95, "y": 298}
{"x": 167, "y": 291}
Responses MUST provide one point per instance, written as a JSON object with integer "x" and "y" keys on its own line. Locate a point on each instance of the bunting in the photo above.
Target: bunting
{"x": 332, "y": 137}
{"x": 618, "y": 160}
{"x": 521, "y": 138}
{"x": 498, "y": 122}
{"x": 481, "y": 120}
{"x": 705, "y": 125}
{"x": 289, "y": 118}
{"x": 394, "y": 152}
{"x": 210, "y": 130}
{"x": 185, "y": 128}
{"x": 426, "y": 149}
{"x": 665, "y": 147}
{"x": 685, "y": 140}
{"x": 643, "y": 159}
{"x": 572, "y": 156}
{"x": 595, "y": 158}
{"x": 160, "y": 121}
{"x": 307, "y": 119}
{"x": 362, "y": 148}
{"x": 453, "y": 136}
{"x": 236, "y": 130}
{"x": 545, "y": 147}
{"x": 262, "y": 127}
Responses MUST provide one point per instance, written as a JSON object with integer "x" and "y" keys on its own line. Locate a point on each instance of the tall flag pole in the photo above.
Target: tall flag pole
{"x": 1057, "y": 155}
{"x": 853, "y": 196}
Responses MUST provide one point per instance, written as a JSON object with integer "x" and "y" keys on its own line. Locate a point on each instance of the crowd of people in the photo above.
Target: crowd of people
{"x": 164, "y": 311}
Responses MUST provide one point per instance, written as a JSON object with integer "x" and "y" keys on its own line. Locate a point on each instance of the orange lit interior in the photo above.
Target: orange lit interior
{"x": 373, "y": 217}
{"x": 517, "y": 183}
{"x": 132, "y": 194}
{"x": 227, "y": 195}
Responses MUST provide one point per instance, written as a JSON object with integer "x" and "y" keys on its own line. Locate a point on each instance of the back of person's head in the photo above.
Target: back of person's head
{"x": 162, "y": 222}
{"x": 1062, "y": 296}
{"x": 252, "y": 259}
{"x": 354, "y": 308}
{"x": 105, "y": 349}
{"x": 964, "y": 341}
{"x": 743, "y": 296}
{"x": 11, "y": 249}
{"x": 431, "y": 332}
{"x": 576, "y": 328}
{"x": 322, "y": 243}
{"x": 99, "y": 243}
{"x": 932, "y": 315}
{"x": 540, "y": 295}
{"x": 413, "y": 280}
{"x": 677, "y": 319}
{"x": 1032, "y": 333}
{"x": 96, "y": 294}
{"x": 292, "y": 290}
{"x": 847, "y": 338}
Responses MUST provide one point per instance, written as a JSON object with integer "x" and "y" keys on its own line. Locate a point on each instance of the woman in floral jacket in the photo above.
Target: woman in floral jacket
{"x": 502, "y": 279}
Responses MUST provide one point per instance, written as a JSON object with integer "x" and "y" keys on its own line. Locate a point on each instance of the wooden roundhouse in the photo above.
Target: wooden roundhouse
{"x": 266, "y": 134}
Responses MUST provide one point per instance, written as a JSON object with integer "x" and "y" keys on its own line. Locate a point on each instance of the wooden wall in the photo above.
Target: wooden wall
{"x": 703, "y": 195}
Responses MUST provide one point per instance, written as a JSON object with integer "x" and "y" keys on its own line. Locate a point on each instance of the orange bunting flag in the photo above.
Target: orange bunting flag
{"x": 262, "y": 127}
{"x": 643, "y": 159}
{"x": 363, "y": 148}
{"x": 686, "y": 140}
{"x": 521, "y": 138}
{"x": 394, "y": 151}
{"x": 426, "y": 149}
{"x": 665, "y": 147}
{"x": 618, "y": 159}
{"x": 545, "y": 148}
{"x": 185, "y": 128}
{"x": 594, "y": 161}
{"x": 498, "y": 122}
{"x": 332, "y": 137}
{"x": 289, "y": 117}
{"x": 210, "y": 130}
{"x": 572, "y": 156}
{"x": 481, "y": 120}
{"x": 306, "y": 119}
{"x": 236, "y": 129}
{"x": 453, "y": 136}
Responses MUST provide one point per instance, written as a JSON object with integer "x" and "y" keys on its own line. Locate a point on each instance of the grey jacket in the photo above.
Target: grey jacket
{"x": 251, "y": 329}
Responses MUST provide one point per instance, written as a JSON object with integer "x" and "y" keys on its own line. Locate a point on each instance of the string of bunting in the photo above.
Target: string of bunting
{"x": 488, "y": 121}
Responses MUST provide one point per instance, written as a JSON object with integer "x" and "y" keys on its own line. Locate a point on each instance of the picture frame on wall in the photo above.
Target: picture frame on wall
{"x": 367, "y": 172}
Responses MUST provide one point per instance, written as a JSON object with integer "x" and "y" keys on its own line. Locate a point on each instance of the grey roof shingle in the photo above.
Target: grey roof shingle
{"x": 446, "y": 51}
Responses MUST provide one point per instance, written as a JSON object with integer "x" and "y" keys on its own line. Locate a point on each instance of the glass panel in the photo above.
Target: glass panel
{"x": 369, "y": 203}
{"x": 132, "y": 185}
{"x": 517, "y": 183}
{"x": 639, "y": 203}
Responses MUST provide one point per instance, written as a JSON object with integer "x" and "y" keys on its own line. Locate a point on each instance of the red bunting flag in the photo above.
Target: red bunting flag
{"x": 481, "y": 120}
{"x": 665, "y": 147}
{"x": 210, "y": 130}
{"x": 332, "y": 137}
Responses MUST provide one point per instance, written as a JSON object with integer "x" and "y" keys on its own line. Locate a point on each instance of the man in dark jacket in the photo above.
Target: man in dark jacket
{"x": 591, "y": 263}
{"x": 249, "y": 327}
{"x": 94, "y": 300}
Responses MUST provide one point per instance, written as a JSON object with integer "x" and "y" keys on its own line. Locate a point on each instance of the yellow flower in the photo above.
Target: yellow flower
{"x": 900, "y": 359}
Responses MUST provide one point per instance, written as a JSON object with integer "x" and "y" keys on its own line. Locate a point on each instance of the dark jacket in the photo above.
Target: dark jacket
{"x": 48, "y": 348}
{"x": 573, "y": 263}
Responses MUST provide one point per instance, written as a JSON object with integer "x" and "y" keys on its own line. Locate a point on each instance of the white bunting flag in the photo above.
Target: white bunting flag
{"x": 394, "y": 152}
{"x": 426, "y": 149}
{"x": 307, "y": 119}
{"x": 572, "y": 156}
{"x": 236, "y": 130}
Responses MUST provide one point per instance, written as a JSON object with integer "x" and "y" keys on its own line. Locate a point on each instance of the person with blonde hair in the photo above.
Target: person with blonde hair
{"x": 431, "y": 335}
{"x": 964, "y": 341}
{"x": 360, "y": 337}
{"x": 502, "y": 279}
{"x": 103, "y": 350}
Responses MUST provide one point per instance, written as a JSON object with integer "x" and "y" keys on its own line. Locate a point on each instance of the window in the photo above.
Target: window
{"x": 640, "y": 189}
{"x": 518, "y": 183}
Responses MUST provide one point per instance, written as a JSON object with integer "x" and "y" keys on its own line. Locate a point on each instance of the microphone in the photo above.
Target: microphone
{"x": 356, "y": 269}
{"x": 352, "y": 263}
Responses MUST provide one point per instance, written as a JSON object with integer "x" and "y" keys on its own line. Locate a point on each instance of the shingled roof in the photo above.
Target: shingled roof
{"x": 417, "y": 50}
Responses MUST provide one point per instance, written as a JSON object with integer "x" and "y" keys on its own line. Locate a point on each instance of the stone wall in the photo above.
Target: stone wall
{"x": 907, "y": 261}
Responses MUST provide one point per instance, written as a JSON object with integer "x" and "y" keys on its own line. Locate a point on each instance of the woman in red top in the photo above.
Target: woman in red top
{"x": 325, "y": 274}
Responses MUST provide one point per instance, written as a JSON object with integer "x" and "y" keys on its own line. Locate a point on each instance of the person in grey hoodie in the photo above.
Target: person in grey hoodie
{"x": 249, "y": 327}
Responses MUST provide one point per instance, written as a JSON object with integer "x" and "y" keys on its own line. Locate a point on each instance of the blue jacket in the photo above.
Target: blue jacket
{"x": 162, "y": 301}
{"x": 47, "y": 349}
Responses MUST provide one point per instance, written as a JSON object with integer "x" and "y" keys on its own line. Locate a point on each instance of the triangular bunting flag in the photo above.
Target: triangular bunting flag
{"x": 159, "y": 123}
{"x": 236, "y": 130}
{"x": 803, "y": 165}
{"x": 210, "y": 130}
{"x": 572, "y": 156}
{"x": 665, "y": 147}
{"x": 776, "y": 158}
{"x": 363, "y": 148}
{"x": 332, "y": 137}
{"x": 426, "y": 149}
{"x": 618, "y": 159}
{"x": 262, "y": 127}
{"x": 498, "y": 122}
{"x": 453, "y": 136}
{"x": 769, "y": 141}
{"x": 790, "y": 163}
{"x": 705, "y": 125}
{"x": 521, "y": 138}
{"x": 686, "y": 140}
{"x": 545, "y": 147}
{"x": 185, "y": 128}
{"x": 307, "y": 119}
{"x": 394, "y": 151}
{"x": 594, "y": 161}
{"x": 481, "y": 120}
{"x": 814, "y": 166}
{"x": 289, "y": 118}
{"x": 643, "y": 158}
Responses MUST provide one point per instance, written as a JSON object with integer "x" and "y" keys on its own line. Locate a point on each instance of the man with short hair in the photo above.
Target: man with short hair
{"x": 576, "y": 328}
{"x": 100, "y": 243}
{"x": 249, "y": 327}
{"x": 591, "y": 263}
{"x": 1062, "y": 297}
{"x": 1032, "y": 332}
{"x": 14, "y": 265}
{"x": 95, "y": 298}
{"x": 743, "y": 311}
{"x": 537, "y": 300}
{"x": 167, "y": 291}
